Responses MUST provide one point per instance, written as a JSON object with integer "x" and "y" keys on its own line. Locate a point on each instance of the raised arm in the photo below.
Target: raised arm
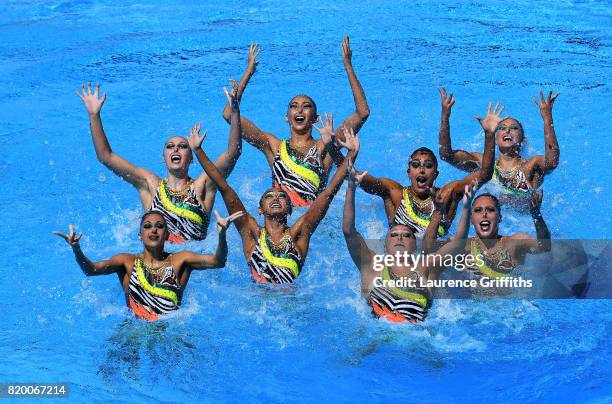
{"x": 326, "y": 131}
{"x": 246, "y": 224}
{"x": 90, "y": 268}
{"x": 227, "y": 160}
{"x": 248, "y": 73}
{"x": 379, "y": 186}
{"x": 460, "y": 159}
{"x": 139, "y": 177}
{"x": 307, "y": 224}
{"x": 264, "y": 141}
{"x": 354, "y": 241}
{"x": 551, "y": 152}
{"x": 457, "y": 243}
{"x": 542, "y": 241}
{"x": 453, "y": 191}
{"x": 362, "y": 111}
{"x": 219, "y": 258}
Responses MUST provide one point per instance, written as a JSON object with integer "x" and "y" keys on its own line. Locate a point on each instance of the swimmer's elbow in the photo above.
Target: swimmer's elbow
{"x": 218, "y": 262}
{"x": 545, "y": 245}
{"x": 446, "y": 154}
{"x": 348, "y": 230}
{"x": 226, "y": 114}
{"x": 364, "y": 112}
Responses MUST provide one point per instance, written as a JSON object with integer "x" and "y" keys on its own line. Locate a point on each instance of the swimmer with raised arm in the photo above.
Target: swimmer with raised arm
{"x": 300, "y": 165}
{"x": 400, "y": 304}
{"x": 516, "y": 176}
{"x": 413, "y": 205}
{"x": 153, "y": 281}
{"x": 185, "y": 202}
{"x": 276, "y": 252}
{"x": 501, "y": 255}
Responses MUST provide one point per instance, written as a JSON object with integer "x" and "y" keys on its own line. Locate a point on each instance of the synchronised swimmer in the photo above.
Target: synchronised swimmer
{"x": 398, "y": 285}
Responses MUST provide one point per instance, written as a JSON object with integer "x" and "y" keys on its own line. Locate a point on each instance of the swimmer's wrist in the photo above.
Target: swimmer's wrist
{"x": 536, "y": 214}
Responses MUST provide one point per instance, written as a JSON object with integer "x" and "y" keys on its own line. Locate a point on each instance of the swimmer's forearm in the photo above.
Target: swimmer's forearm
{"x": 248, "y": 73}
{"x": 339, "y": 176}
{"x": 234, "y": 147}
{"x": 485, "y": 173}
{"x": 87, "y": 266}
{"x": 361, "y": 103}
{"x": 444, "y": 139}
{"x": 431, "y": 232}
{"x": 542, "y": 231}
{"x": 552, "y": 152}
{"x": 211, "y": 170}
{"x": 101, "y": 145}
{"x": 374, "y": 186}
{"x": 230, "y": 197}
{"x": 220, "y": 257}
{"x": 463, "y": 226}
{"x": 334, "y": 152}
{"x": 348, "y": 216}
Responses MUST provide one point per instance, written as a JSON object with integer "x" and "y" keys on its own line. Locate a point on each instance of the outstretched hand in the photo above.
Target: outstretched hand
{"x": 354, "y": 177}
{"x": 72, "y": 239}
{"x": 351, "y": 141}
{"x": 223, "y": 223}
{"x": 447, "y": 100}
{"x": 546, "y": 104}
{"x": 232, "y": 97}
{"x": 347, "y": 53}
{"x": 492, "y": 119}
{"x": 469, "y": 193}
{"x": 92, "y": 102}
{"x": 195, "y": 140}
{"x": 254, "y": 51}
{"x": 327, "y": 129}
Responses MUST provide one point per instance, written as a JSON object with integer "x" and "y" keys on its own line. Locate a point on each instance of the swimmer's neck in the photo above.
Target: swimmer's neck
{"x": 177, "y": 178}
{"x": 156, "y": 253}
{"x": 300, "y": 137}
{"x": 423, "y": 194}
{"x": 509, "y": 153}
{"x": 490, "y": 242}
{"x": 275, "y": 225}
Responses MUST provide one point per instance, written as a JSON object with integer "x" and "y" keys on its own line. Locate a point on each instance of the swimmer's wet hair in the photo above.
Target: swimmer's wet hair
{"x": 314, "y": 104}
{"x": 497, "y": 205}
{"x": 277, "y": 190}
{"x": 424, "y": 150}
{"x": 149, "y": 213}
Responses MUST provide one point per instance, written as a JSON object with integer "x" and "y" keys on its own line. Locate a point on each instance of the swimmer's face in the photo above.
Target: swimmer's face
{"x": 177, "y": 153}
{"x": 275, "y": 202}
{"x": 153, "y": 230}
{"x": 422, "y": 171}
{"x": 485, "y": 217}
{"x": 302, "y": 113}
{"x": 509, "y": 134}
{"x": 400, "y": 239}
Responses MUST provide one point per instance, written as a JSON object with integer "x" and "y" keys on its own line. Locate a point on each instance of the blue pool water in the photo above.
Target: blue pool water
{"x": 163, "y": 65}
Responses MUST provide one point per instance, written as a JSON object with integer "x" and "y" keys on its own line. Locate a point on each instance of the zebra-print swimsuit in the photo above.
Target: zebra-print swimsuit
{"x": 274, "y": 267}
{"x": 185, "y": 218}
{"x": 149, "y": 299}
{"x": 408, "y": 215}
{"x": 398, "y": 304}
{"x": 302, "y": 179}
